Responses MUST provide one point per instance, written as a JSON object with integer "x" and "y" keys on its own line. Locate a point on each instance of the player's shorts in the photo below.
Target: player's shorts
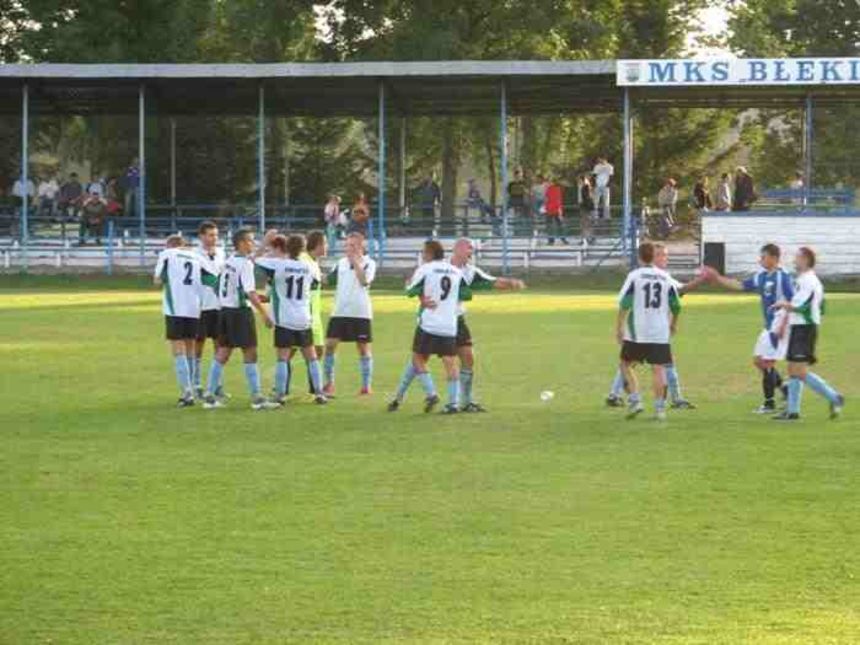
{"x": 464, "y": 334}
{"x": 433, "y": 345}
{"x": 210, "y": 324}
{"x": 651, "y": 353}
{"x": 293, "y": 337}
{"x": 350, "y": 329}
{"x": 801, "y": 344}
{"x": 181, "y": 328}
{"x": 237, "y": 328}
{"x": 769, "y": 350}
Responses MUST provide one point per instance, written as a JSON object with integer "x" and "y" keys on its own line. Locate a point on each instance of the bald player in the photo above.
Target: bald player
{"x": 476, "y": 280}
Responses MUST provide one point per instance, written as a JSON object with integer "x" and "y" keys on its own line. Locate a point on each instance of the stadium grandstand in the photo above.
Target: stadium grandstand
{"x": 389, "y": 95}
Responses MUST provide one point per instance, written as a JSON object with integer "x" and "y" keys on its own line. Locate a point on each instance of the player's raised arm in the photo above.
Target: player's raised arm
{"x": 247, "y": 282}
{"x": 715, "y": 277}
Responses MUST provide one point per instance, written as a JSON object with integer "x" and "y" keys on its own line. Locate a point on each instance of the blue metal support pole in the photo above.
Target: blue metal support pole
{"x": 503, "y": 162}
{"x": 627, "y": 193}
{"x": 261, "y": 158}
{"x": 808, "y": 140}
{"x": 141, "y": 155}
{"x": 25, "y": 171}
{"x": 380, "y": 228}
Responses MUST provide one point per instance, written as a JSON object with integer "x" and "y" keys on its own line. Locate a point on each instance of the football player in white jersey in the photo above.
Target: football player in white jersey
{"x": 648, "y": 309}
{"x": 805, "y": 310}
{"x": 440, "y": 287}
{"x": 353, "y": 314}
{"x": 237, "y": 294}
{"x": 673, "y": 381}
{"x": 292, "y": 279}
{"x": 212, "y": 259}
{"x": 477, "y": 280}
{"x": 178, "y": 270}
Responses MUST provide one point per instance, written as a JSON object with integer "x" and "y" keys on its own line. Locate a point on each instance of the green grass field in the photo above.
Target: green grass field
{"x": 124, "y": 520}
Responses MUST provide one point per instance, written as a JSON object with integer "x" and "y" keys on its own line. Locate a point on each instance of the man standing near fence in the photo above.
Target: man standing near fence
{"x": 603, "y": 171}
{"x": 554, "y": 208}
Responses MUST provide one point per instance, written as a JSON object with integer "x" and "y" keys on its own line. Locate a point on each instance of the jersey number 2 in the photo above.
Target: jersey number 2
{"x": 189, "y": 268}
{"x": 653, "y": 295}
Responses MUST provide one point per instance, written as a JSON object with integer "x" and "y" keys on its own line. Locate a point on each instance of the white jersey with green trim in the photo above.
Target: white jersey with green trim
{"x": 808, "y": 300}
{"x": 443, "y": 283}
{"x": 651, "y": 297}
{"x": 213, "y": 262}
{"x": 236, "y": 282}
{"x": 478, "y": 280}
{"x": 292, "y": 284}
{"x": 352, "y": 299}
{"x": 180, "y": 272}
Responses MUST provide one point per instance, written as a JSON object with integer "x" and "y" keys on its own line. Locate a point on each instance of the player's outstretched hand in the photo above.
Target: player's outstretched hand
{"x": 269, "y": 322}
{"x": 782, "y": 304}
{"x": 517, "y": 284}
{"x": 707, "y": 273}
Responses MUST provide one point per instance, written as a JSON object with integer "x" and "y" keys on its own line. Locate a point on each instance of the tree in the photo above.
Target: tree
{"x": 778, "y": 28}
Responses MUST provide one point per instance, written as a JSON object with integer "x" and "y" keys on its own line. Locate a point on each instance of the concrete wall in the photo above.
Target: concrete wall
{"x": 836, "y": 239}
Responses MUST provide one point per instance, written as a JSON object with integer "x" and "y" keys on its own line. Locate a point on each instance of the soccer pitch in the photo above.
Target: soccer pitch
{"x": 123, "y": 519}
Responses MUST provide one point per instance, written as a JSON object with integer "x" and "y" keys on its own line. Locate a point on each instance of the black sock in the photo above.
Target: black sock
{"x": 768, "y": 384}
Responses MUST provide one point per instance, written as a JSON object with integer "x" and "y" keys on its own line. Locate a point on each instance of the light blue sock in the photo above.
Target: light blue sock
{"x": 617, "y": 388}
{"x": 673, "y": 382}
{"x": 252, "y": 375}
{"x": 405, "y": 381}
{"x": 365, "y": 365}
{"x": 316, "y": 376}
{"x": 196, "y": 375}
{"x": 328, "y": 367}
{"x": 282, "y": 377}
{"x": 633, "y": 398}
{"x": 215, "y": 374}
{"x": 795, "y": 391}
{"x": 183, "y": 373}
{"x": 454, "y": 392}
{"x": 427, "y": 383}
{"x": 822, "y": 387}
{"x": 466, "y": 378}
{"x": 660, "y": 405}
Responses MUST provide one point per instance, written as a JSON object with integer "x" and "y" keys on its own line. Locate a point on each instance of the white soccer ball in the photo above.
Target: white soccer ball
{"x": 546, "y": 395}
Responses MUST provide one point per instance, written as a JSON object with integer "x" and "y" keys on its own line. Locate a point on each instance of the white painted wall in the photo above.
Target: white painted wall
{"x": 835, "y": 239}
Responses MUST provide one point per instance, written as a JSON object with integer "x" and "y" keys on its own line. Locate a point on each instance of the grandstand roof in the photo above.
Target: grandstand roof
{"x": 332, "y": 89}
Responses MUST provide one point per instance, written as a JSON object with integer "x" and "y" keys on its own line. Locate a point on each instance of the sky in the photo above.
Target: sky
{"x": 714, "y": 20}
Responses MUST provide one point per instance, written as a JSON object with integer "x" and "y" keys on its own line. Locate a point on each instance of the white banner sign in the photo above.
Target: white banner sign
{"x": 738, "y": 71}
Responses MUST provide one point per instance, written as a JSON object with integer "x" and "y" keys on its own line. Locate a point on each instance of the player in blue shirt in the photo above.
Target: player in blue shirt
{"x": 773, "y": 285}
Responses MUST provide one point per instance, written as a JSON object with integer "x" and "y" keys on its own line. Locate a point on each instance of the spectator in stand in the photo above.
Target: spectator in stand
{"x": 702, "y": 195}
{"x": 47, "y": 193}
{"x": 131, "y": 186}
{"x": 796, "y": 185}
{"x": 554, "y": 209}
{"x": 112, "y": 197}
{"x": 332, "y": 217}
{"x": 93, "y": 213}
{"x": 667, "y": 200}
{"x": 96, "y": 186}
{"x": 517, "y": 193}
{"x": 724, "y": 193}
{"x": 585, "y": 199}
{"x": 744, "y": 190}
{"x": 360, "y": 215}
{"x": 539, "y": 195}
{"x": 603, "y": 172}
{"x": 428, "y": 197}
{"x": 20, "y": 194}
{"x": 71, "y": 194}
